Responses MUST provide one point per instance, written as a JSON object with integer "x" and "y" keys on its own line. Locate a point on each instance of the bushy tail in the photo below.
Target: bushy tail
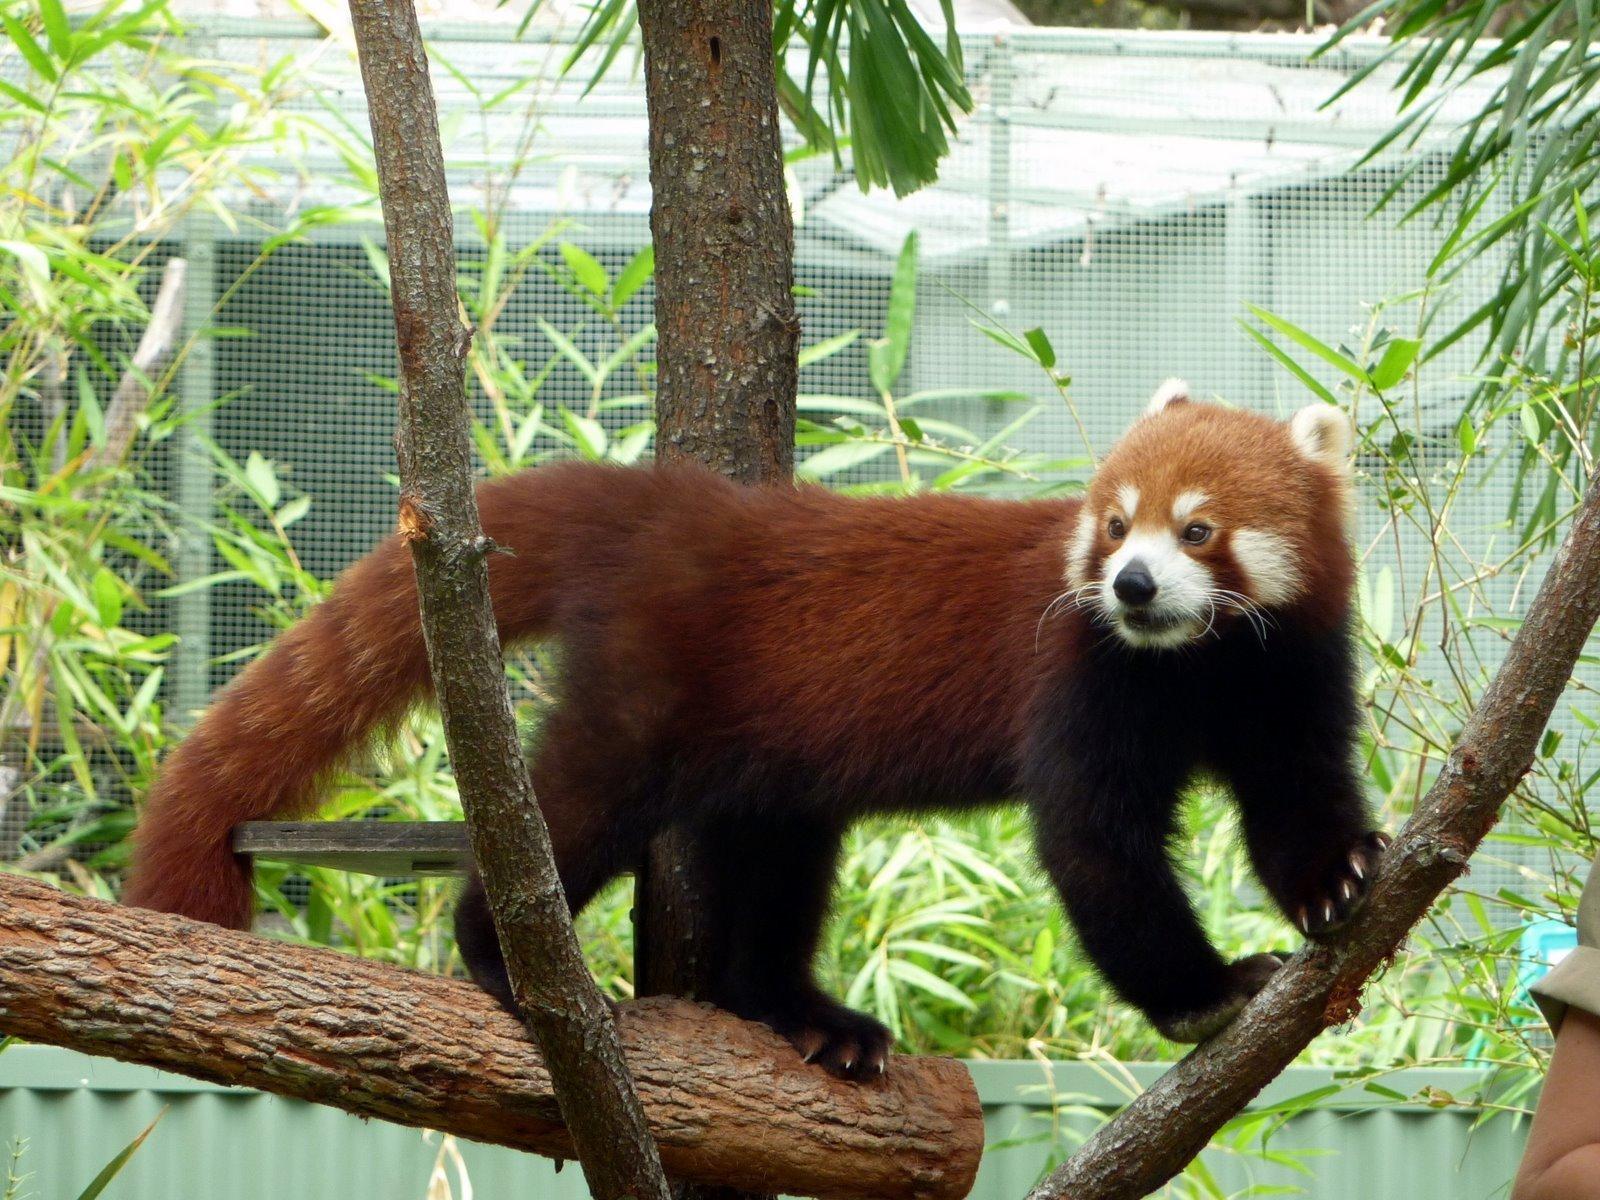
{"x": 271, "y": 738}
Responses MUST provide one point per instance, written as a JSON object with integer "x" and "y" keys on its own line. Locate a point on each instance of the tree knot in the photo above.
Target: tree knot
{"x": 483, "y": 545}
{"x": 415, "y": 524}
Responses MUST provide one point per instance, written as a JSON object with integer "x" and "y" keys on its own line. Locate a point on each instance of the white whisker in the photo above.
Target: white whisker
{"x": 1077, "y": 597}
{"x": 1252, "y": 612}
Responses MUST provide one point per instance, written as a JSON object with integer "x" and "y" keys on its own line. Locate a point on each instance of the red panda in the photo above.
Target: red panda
{"x": 761, "y": 666}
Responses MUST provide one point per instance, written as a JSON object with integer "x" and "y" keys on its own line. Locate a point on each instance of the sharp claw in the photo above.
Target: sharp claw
{"x": 882, "y": 1068}
{"x": 849, "y": 1064}
{"x": 812, "y": 1057}
{"x": 1302, "y": 920}
{"x": 1355, "y": 866}
{"x": 1348, "y": 889}
{"x": 1327, "y": 910}
{"x": 1384, "y": 840}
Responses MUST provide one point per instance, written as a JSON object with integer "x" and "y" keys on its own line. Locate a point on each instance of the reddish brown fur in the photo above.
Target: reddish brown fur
{"x": 1256, "y": 479}
{"x": 815, "y": 626}
{"x": 876, "y": 644}
{"x": 761, "y": 666}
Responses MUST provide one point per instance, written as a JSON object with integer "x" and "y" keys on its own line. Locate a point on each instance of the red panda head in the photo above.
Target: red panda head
{"x": 1202, "y": 517}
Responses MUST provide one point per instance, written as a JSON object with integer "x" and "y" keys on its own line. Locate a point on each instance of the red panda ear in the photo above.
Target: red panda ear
{"x": 1173, "y": 391}
{"x": 1323, "y": 434}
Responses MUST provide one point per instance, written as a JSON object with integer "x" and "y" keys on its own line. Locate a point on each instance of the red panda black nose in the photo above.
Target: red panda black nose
{"x": 1134, "y": 585}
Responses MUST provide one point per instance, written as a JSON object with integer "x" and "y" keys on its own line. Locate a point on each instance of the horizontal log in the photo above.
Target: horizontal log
{"x": 383, "y": 848}
{"x": 729, "y": 1102}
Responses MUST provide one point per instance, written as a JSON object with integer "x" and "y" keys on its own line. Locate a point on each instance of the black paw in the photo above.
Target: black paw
{"x": 1247, "y": 976}
{"x": 840, "y": 1040}
{"x": 1329, "y": 898}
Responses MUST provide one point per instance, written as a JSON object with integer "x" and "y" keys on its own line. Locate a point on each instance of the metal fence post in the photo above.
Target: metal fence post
{"x": 191, "y": 674}
{"x": 1246, "y": 280}
{"x": 998, "y": 254}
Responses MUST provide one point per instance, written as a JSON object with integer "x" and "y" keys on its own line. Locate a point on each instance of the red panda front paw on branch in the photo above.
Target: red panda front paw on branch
{"x": 1332, "y": 887}
{"x": 1246, "y": 977}
{"x": 762, "y": 666}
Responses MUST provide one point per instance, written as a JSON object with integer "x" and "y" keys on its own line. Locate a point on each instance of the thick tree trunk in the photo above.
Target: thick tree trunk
{"x": 728, "y": 334}
{"x": 559, "y": 1002}
{"x": 729, "y": 1102}
{"x": 1157, "y": 1135}
{"x": 724, "y": 244}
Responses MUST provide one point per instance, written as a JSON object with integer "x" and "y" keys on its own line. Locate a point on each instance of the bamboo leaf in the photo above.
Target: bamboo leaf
{"x": 263, "y": 480}
{"x": 841, "y": 457}
{"x": 887, "y": 358}
{"x": 1397, "y": 358}
{"x": 587, "y": 433}
{"x": 640, "y": 268}
{"x": 586, "y": 269}
{"x": 114, "y": 1167}
{"x": 827, "y": 347}
{"x": 570, "y": 352}
{"x": 57, "y": 28}
{"x": 27, "y": 47}
{"x": 1306, "y": 342}
{"x": 1042, "y": 349}
{"x": 1293, "y": 367}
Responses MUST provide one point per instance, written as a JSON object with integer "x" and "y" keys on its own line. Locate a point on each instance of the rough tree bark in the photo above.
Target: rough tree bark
{"x": 1152, "y": 1139}
{"x": 724, "y": 242}
{"x": 728, "y": 336}
{"x": 729, "y": 1101}
{"x": 560, "y": 1004}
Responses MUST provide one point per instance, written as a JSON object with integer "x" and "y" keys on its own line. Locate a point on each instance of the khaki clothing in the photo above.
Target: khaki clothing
{"x": 1575, "y": 980}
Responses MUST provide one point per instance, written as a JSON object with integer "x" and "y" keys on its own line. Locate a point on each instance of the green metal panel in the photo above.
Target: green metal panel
{"x": 75, "y": 1112}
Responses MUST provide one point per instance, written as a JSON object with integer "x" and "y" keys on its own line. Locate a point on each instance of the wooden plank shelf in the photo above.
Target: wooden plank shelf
{"x": 384, "y": 848}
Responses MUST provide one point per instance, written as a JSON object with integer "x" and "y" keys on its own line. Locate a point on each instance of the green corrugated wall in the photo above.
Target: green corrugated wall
{"x": 213, "y": 1141}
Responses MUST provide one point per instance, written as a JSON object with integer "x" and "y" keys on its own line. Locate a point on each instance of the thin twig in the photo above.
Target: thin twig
{"x": 137, "y": 386}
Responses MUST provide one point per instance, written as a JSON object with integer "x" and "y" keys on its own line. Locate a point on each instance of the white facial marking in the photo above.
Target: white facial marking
{"x": 1270, "y": 563}
{"x": 1322, "y": 433}
{"x": 1128, "y": 497}
{"x": 1170, "y": 391}
{"x": 1080, "y": 546}
{"x": 1187, "y": 504}
{"x": 1181, "y": 608}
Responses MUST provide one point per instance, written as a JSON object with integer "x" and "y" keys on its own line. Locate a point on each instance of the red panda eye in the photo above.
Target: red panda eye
{"x": 1116, "y": 528}
{"x": 1196, "y": 533}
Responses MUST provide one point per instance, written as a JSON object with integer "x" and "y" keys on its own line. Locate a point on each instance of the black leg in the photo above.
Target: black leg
{"x": 478, "y": 943}
{"x": 768, "y": 882}
{"x": 1137, "y": 925}
{"x": 1309, "y": 833}
{"x": 1289, "y": 758}
{"x": 1114, "y": 744}
{"x": 582, "y": 875}
{"x": 582, "y": 796}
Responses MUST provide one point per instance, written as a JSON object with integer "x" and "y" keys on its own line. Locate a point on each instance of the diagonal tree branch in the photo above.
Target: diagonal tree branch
{"x": 138, "y": 383}
{"x": 1152, "y": 1139}
{"x": 560, "y": 1004}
